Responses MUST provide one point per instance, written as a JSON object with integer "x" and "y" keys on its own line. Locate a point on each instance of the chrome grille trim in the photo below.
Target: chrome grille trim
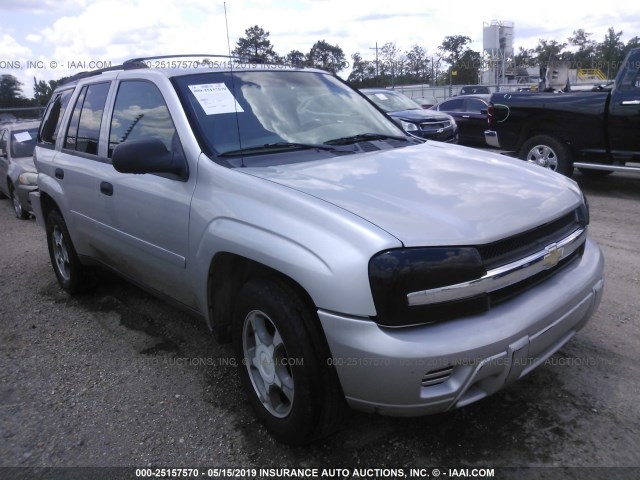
{"x": 435, "y": 124}
{"x": 504, "y": 276}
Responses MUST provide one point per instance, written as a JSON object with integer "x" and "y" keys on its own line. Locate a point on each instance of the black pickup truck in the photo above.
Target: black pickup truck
{"x": 596, "y": 131}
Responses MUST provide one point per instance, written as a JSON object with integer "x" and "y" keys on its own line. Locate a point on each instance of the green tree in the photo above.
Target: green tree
{"x": 327, "y": 57}
{"x": 585, "y": 55}
{"x": 363, "y": 73}
{"x": 546, "y": 50}
{"x": 631, "y": 44}
{"x": 417, "y": 68}
{"x": 10, "y": 90}
{"x": 610, "y": 52}
{"x": 526, "y": 57}
{"x": 468, "y": 68}
{"x": 296, "y": 58}
{"x": 389, "y": 63}
{"x": 255, "y": 45}
{"x": 453, "y": 48}
{"x": 41, "y": 92}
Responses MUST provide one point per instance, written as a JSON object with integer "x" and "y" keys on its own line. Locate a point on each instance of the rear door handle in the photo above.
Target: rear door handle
{"x": 59, "y": 173}
{"x": 106, "y": 188}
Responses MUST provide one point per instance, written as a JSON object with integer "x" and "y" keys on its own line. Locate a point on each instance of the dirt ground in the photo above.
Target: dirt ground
{"x": 109, "y": 379}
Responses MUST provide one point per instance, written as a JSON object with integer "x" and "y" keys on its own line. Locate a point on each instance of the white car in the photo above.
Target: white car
{"x": 17, "y": 172}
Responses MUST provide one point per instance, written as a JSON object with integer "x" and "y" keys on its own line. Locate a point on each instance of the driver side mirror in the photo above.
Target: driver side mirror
{"x": 148, "y": 156}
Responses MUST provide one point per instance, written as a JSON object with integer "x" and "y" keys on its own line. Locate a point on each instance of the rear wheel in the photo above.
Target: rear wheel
{"x": 20, "y": 212}
{"x": 71, "y": 274}
{"x": 547, "y": 152}
{"x": 283, "y": 364}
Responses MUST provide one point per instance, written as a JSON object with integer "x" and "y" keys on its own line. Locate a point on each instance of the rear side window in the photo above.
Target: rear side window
{"x": 475, "y": 105}
{"x": 456, "y": 105}
{"x": 53, "y": 118}
{"x": 84, "y": 128}
{"x": 140, "y": 112}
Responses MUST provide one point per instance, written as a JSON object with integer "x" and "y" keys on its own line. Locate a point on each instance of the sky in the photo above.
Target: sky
{"x": 50, "y": 39}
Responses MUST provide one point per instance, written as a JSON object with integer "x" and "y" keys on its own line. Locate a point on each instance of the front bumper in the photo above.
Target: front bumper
{"x": 23, "y": 192}
{"x": 34, "y": 200}
{"x": 433, "y": 368}
{"x": 491, "y": 138}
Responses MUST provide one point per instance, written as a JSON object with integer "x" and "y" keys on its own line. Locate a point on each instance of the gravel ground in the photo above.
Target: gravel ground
{"x": 117, "y": 378}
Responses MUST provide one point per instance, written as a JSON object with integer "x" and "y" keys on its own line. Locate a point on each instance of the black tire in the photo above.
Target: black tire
{"x": 19, "y": 212}
{"x": 590, "y": 173}
{"x": 72, "y": 276}
{"x": 548, "y": 152}
{"x": 292, "y": 388}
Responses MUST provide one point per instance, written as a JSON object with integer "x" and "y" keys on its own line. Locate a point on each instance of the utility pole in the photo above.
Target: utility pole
{"x": 377, "y": 77}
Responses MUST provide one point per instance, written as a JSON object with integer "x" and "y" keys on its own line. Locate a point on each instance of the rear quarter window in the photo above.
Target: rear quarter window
{"x": 53, "y": 118}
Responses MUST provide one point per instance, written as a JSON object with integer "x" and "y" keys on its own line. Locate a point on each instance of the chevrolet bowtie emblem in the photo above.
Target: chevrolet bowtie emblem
{"x": 553, "y": 256}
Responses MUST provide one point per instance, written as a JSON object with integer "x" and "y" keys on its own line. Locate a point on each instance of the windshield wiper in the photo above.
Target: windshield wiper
{"x": 267, "y": 147}
{"x": 362, "y": 137}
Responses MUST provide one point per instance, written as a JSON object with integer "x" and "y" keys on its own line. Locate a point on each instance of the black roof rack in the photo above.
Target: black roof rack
{"x": 139, "y": 62}
{"x": 124, "y": 66}
{"x": 197, "y": 55}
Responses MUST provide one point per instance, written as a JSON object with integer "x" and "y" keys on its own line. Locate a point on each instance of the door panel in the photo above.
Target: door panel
{"x": 624, "y": 116}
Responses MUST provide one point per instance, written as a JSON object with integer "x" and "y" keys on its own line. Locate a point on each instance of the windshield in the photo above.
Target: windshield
{"x": 392, "y": 102}
{"x": 241, "y": 112}
{"x": 22, "y": 142}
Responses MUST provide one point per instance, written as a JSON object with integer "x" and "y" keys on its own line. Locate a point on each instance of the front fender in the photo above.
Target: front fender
{"x": 332, "y": 284}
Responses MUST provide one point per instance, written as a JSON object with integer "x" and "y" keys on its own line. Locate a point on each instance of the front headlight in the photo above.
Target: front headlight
{"x": 408, "y": 126}
{"x": 393, "y": 274}
{"x": 582, "y": 212}
{"x": 28, "y": 178}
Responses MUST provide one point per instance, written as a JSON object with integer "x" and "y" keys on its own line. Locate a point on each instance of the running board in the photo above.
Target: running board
{"x": 602, "y": 166}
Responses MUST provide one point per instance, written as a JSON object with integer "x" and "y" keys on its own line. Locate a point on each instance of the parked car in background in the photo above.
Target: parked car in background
{"x": 470, "y": 113}
{"x": 414, "y": 119}
{"x": 17, "y": 171}
{"x": 595, "y": 131}
{"x": 474, "y": 90}
{"x": 426, "y": 102}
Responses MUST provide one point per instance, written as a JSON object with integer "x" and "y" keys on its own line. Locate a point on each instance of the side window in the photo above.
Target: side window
{"x": 53, "y": 118}
{"x": 474, "y": 105}
{"x": 630, "y": 80}
{"x": 456, "y": 105}
{"x": 84, "y": 128}
{"x": 140, "y": 112}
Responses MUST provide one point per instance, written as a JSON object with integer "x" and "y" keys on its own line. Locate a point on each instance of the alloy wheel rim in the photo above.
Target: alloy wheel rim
{"x": 267, "y": 363}
{"x": 544, "y": 156}
{"x": 61, "y": 253}
{"x": 17, "y": 206}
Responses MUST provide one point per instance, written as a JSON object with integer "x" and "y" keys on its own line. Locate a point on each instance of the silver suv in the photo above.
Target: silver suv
{"x": 348, "y": 263}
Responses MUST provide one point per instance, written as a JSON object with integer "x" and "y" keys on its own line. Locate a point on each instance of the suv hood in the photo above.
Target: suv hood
{"x": 435, "y": 194}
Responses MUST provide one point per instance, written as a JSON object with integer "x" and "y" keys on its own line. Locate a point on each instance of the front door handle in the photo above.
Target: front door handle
{"x": 59, "y": 173}
{"x": 106, "y": 188}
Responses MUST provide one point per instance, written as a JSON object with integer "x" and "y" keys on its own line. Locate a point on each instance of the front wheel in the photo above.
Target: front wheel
{"x": 283, "y": 364}
{"x": 72, "y": 276}
{"x": 19, "y": 212}
{"x": 549, "y": 153}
